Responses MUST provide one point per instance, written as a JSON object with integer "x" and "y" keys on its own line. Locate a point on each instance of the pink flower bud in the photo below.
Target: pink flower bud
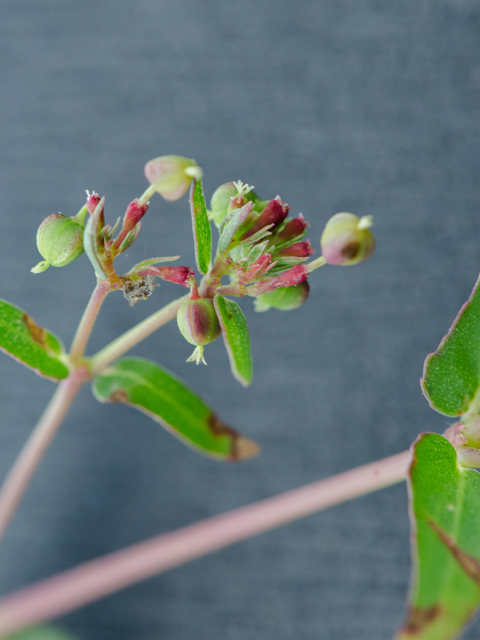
{"x": 293, "y": 228}
{"x": 177, "y": 275}
{"x": 290, "y": 278}
{"x": 92, "y": 201}
{"x": 258, "y": 268}
{"x": 274, "y": 213}
{"x": 134, "y": 213}
{"x": 171, "y": 175}
{"x": 297, "y": 250}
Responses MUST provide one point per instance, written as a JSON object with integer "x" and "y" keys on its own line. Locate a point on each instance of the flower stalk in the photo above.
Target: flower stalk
{"x": 98, "y": 578}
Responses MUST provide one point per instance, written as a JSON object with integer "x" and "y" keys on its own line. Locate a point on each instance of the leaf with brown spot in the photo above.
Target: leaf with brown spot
{"x": 37, "y": 333}
{"x": 468, "y": 564}
{"x": 445, "y": 518}
{"x": 159, "y": 394}
{"x": 419, "y": 618}
{"x": 34, "y": 346}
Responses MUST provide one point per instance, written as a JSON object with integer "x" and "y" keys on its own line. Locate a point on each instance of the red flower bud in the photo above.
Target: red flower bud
{"x": 297, "y": 250}
{"x": 134, "y": 213}
{"x": 290, "y": 278}
{"x": 274, "y": 213}
{"x": 258, "y": 268}
{"x": 293, "y": 228}
{"x": 92, "y": 201}
{"x": 178, "y": 275}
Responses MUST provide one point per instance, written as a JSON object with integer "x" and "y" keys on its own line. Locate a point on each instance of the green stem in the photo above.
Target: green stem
{"x": 135, "y": 335}
{"x": 25, "y": 465}
{"x": 315, "y": 264}
{"x": 85, "y": 327}
{"x": 147, "y": 194}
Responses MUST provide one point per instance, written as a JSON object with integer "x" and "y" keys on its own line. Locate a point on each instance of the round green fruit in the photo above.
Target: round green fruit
{"x": 198, "y": 322}
{"x": 60, "y": 240}
{"x": 283, "y": 298}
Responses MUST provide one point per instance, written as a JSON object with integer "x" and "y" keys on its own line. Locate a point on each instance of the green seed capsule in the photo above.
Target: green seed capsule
{"x": 59, "y": 240}
{"x": 283, "y": 298}
{"x": 198, "y": 324}
{"x": 347, "y": 240}
{"x": 221, "y": 203}
{"x": 221, "y": 199}
{"x": 171, "y": 175}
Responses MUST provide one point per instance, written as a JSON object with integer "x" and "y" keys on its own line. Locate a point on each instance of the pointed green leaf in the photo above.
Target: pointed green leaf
{"x": 236, "y": 337}
{"x": 32, "y": 345}
{"x": 41, "y": 633}
{"x": 445, "y": 513}
{"x": 202, "y": 231}
{"x": 256, "y": 251}
{"x": 232, "y": 226}
{"x": 155, "y": 391}
{"x": 451, "y": 375}
{"x": 256, "y": 237}
{"x": 151, "y": 261}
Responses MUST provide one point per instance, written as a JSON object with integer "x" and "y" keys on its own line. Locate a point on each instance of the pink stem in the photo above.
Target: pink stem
{"x": 25, "y": 465}
{"x": 88, "y": 320}
{"x": 95, "y": 579}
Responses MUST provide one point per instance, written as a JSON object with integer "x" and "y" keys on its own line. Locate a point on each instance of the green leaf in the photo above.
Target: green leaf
{"x": 256, "y": 251}
{"x": 32, "y": 345}
{"x": 451, "y": 375}
{"x": 236, "y": 337}
{"x": 155, "y": 391}
{"x": 445, "y": 511}
{"x": 232, "y": 226}
{"x": 202, "y": 232}
{"x": 256, "y": 237}
{"x": 41, "y": 633}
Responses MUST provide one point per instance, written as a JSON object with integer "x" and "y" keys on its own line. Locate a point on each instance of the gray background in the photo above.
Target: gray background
{"x": 358, "y": 105}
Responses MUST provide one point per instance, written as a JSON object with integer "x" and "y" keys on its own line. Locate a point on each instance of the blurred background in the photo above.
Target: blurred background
{"x": 335, "y": 105}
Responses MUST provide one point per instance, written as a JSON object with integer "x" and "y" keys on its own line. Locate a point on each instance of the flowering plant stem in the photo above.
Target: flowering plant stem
{"x": 95, "y": 579}
{"x": 135, "y": 335}
{"x": 18, "y": 478}
{"x": 88, "y": 320}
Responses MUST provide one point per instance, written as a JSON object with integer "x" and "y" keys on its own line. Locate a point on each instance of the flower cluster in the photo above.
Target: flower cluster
{"x": 262, "y": 251}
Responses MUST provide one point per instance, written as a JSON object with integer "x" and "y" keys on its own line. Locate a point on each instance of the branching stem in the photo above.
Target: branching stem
{"x": 32, "y": 453}
{"x": 135, "y": 335}
{"x": 93, "y": 580}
